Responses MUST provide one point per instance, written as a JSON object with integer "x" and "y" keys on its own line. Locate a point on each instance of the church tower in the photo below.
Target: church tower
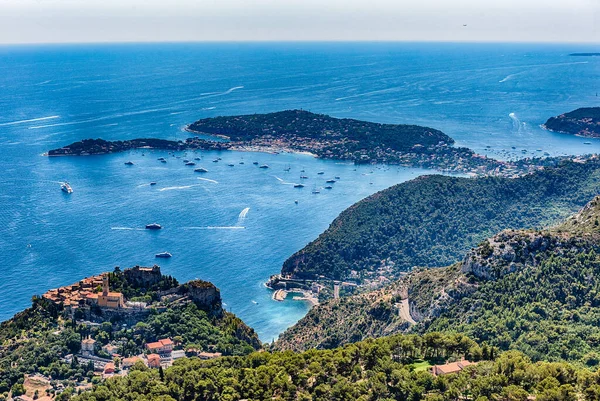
{"x": 105, "y": 285}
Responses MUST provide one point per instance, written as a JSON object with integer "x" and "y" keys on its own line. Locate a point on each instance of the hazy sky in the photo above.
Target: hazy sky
{"x": 27, "y": 21}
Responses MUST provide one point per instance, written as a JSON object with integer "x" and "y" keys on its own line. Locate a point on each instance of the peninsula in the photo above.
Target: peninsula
{"x": 328, "y": 138}
{"x": 584, "y": 122}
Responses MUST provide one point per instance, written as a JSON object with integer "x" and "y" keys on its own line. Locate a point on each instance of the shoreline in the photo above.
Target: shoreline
{"x": 253, "y": 148}
{"x": 280, "y": 295}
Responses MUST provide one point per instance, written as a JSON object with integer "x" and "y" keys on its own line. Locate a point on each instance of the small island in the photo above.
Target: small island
{"x": 584, "y": 122}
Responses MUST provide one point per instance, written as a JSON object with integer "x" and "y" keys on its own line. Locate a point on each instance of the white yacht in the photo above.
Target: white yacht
{"x": 65, "y": 187}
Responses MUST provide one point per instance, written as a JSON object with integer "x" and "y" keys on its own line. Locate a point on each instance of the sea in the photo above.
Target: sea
{"x": 235, "y": 225}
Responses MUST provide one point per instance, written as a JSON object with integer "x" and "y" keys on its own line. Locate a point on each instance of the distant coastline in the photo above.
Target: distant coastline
{"x": 325, "y": 137}
{"x": 585, "y": 54}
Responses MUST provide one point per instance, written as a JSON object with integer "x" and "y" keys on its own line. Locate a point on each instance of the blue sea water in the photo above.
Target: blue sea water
{"x": 488, "y": 97}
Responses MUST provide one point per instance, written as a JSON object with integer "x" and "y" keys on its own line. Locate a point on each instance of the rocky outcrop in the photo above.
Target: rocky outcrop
{"x": 143, "y": 276}
{"x": 204, "y": 294}
{"x": 511, "y": 251}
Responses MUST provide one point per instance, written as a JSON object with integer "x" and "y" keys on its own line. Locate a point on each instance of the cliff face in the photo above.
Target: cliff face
{"x": 143, "y": 276}
{"x": 511, "y": 250}
{"x": 205, "y": 295}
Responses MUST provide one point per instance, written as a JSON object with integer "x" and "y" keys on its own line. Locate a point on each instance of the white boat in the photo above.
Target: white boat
{"x": 66, "y": 188}
{"x": 163, "y": 255}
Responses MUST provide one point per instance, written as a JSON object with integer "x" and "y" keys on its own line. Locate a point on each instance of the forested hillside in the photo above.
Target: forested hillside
{"x": 433, "y": 220}
{"x": 392, "y": 368}
{"x": 534, "y": 291}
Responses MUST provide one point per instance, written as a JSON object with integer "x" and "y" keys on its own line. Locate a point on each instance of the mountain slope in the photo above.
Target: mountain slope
{"x": 433, "y": 220}
{"x": 535, "y": 291}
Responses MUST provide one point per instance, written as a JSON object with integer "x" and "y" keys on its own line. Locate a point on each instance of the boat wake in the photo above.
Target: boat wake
{"x": 177, "y": 188}
{"x": 283, "y": 181}
{"x": 517, "y": 124}
{"x": 28, "y": 121}
{"x": 242, "y": 216}
{"x": 215, "y": 228}
{"x": 208, "y": 179}
{"x": 127, "y": 229}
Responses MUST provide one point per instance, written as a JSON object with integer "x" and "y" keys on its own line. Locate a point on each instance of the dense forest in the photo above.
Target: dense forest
{"x": 392, "y": 368}
{"x": 433, "y": 220}
{"x": 302, "y": 124}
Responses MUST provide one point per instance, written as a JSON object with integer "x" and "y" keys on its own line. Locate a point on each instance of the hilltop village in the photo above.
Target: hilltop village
{"x": 112, "y": 323}
{"x": 92, "y": 299}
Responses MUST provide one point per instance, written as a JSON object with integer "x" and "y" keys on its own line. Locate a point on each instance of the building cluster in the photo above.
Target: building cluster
{"x": 85, "y": 293}
{"x": 453, "y": 367}
{"x": 159, "y": 353}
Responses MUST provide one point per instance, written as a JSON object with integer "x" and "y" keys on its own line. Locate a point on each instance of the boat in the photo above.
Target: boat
{"x": 231, "y": 164}
{"x": 163, "y": 161}
{"x": 254, "y": 302}
{"x": 201, "y": 170}
{"x": 298, "y": 185}
{"x": 216, "y": 161}
{"x": 185, "y": 160}
{"x": 330, "y": 181}
{"x": 321, "y": 172}
{"x": 296, "y": 201}
{"x": 66, "y": 188}
{"x": 264, "y": 166}
{"x": 190, "y": 164}
{"x": 163, "y": 255}
{"x": 337, "y": 177}
{"x": 160, "y": 159}
{"x": 288, "y": 168}
{"x": 587, "y": 143}
{"x": 152, "y": 183}
{"x": 196, "y": 158}
{"x": 242, "y": 162}
{"x": 328, "y": 187}
{"x": 255, "y": 163}
{"x": 316, "y": 190}
{"x": 303, "y": 177}
{"x": 129, "y": 163}
{"x": 153, "y": 226}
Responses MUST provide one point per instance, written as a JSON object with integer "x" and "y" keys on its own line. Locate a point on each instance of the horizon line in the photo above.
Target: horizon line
{"x": 301, "y": 41}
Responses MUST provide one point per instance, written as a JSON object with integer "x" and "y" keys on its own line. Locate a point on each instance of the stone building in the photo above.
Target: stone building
{"x": 107, "y": 299}
{"x": 87, "y": 347}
